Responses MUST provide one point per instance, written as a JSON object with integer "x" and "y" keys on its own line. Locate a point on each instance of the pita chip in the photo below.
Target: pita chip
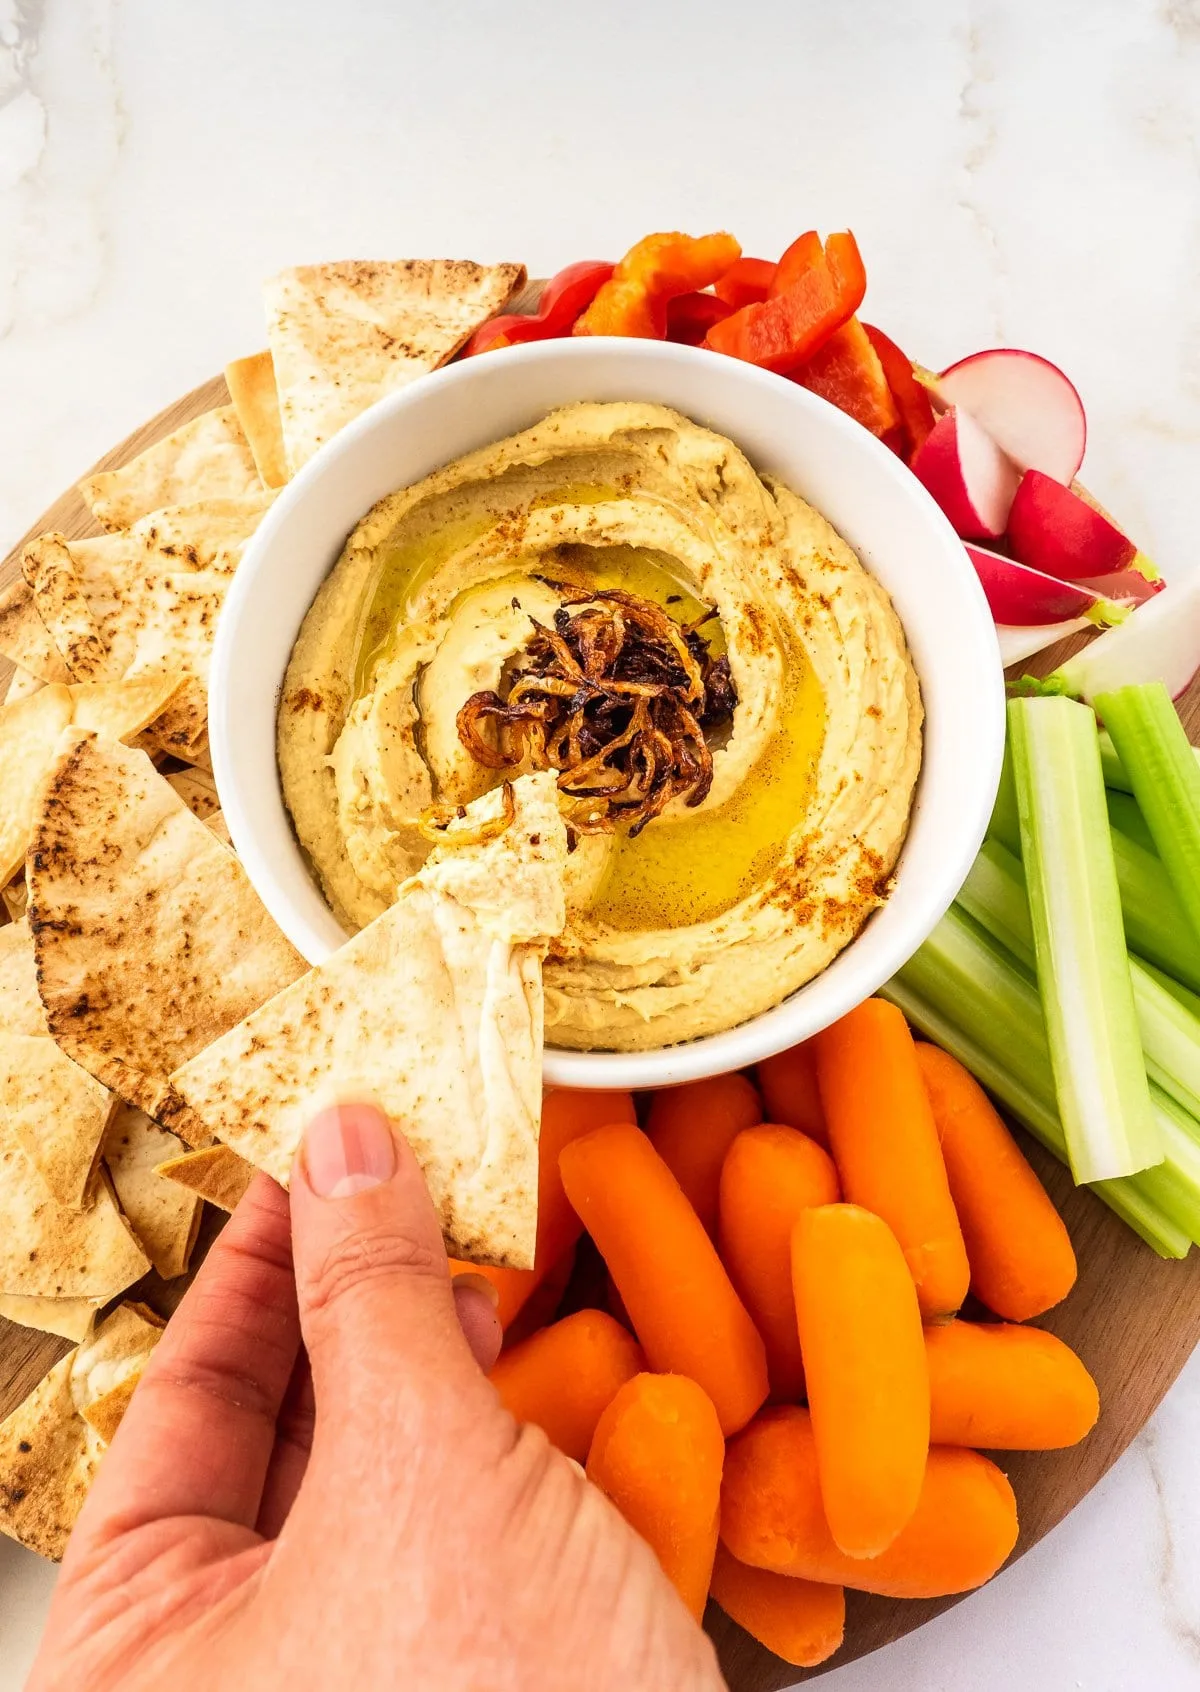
{"x": 48, "y": 1460}
{"x": 47, "y": 1251}
{"x": 150, "y": 940}
{"x": 15, "y": 896}
{"x": 50, "y": 572}
{"x": 24, "y": 637}
{"x": 121, "y": 709}
{"x": 21, "y": 684}
{"x": 69, "y": 1318}
{"x": 214, "y": 1173}
{"x": 56, "y": 1111}
{"x": 198, "y": 791}
{"x": 208, "y": 458}
{"x": 204, "y": 535}
{"x": 21, "y": 1009}
{"x": 251, "y": 384}
{"x": 434, "y": 1011}
{"x": 107, "y": 1367}
{"x": 164, "y": 1217}
{"x": 29, "y": 734}
{"x": 343, "y": 335}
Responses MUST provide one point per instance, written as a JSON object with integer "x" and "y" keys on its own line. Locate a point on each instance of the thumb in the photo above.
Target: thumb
{"x": 379, "y": 1319}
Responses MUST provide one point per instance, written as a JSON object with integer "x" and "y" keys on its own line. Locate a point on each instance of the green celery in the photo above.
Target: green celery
{"x": 1185, "y": 996}
{"x": 1155, "y": 925}
{"x": 1125, "y": 814}
{"x": 994, "y": 894}
{"x": 1162, "y": 767}
{"x": 1082, "y": 963}
{"x": 1115, "y": 773}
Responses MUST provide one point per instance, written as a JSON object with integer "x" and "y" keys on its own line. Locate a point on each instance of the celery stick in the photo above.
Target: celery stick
{"x": 1185, "y": 996}
{"x": 1115, "y": 773}
{"x": 994, "y": 894}
{"x": 1005, "y": 825}
{"x": 1125, "y": 814}
{"x": 1155, "y": 925}
{"x": 1082, "y": 963}
{"x": 1159, "y": 762}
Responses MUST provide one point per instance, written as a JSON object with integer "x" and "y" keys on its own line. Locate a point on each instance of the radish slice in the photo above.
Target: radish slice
{"x": 1017, "y": 644}
{"x": 1052, "y": 529}
{"x": 1026, "y": 404}
{"x": 1159, "y": 642}
{"x": 1017, "y": 594}
{"x": 968, "y": 475}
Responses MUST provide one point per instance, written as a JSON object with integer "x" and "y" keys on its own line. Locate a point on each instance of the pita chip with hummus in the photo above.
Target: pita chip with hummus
{"x": 150, "y": 940}
{"x": 208, "y": 458}
{"x": 214, "y": 1173}
{"x": 251, "y": 384}
{"x": 435, "y": 1012}
{"x": 343, "y": 335}
{"x": 164, "y": 1217}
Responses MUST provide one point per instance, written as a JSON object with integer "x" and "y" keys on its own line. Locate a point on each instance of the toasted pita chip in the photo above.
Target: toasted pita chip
{"x": 29, "y": 733}
{"x": 150, "y": 940}
{"x": 21, "y": 684}
{"x": 24, "y": 637}
{"x": 48, "y": 1459}
{"x": 435, "y": 1012}
{"x": 107, "y": 1367}
{"x": 69, "y": 1318}
{"x": 251, "y": 384}
{"x": 121, "y": 709}
{"x": 214, "y": 1173}
{"x": 15, "y": 897}
{"x": 164, "y": 1219}
{"x": 50, "y": 572}
{"x": 208, "y": 458}
{"x": 47, "y": 1251}
{"x": 198, "y": 791}
{"x": 56, "y": 1111}
{"x": 21, "y": 1009}
{"x": 343, "y": 335}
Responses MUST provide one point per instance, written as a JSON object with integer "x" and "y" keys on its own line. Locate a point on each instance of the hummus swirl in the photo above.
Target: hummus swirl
{"x": 716, "y": 911}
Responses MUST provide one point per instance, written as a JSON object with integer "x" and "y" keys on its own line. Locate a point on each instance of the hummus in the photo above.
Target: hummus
{"x": 716, "y": 909}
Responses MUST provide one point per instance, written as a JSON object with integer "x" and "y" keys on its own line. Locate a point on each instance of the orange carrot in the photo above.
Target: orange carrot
{"x": 658, "y": 1455}
{"x": 692, "y": 1128}
{"x": 788, "y": 1084}
{"x": 799, "y": 1620}
{"x": 679, "y": 1298}
{"x": 565, "y": 1115}
{"x": 864, "y": 1363}
{"x": 770, "y": 1175}
{"x": 564, "y": 1377}
{"x": 1019, "y": 1250}
{"x": 1007, "y": 1388}
{"x": 885, "y": 1145}
{"x": 964, "y": 1526}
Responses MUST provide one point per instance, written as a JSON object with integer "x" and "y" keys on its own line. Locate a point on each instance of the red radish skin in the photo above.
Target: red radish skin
{"x": 1016, "y": 594}
{"x": 1052, "y": 529}
{"x": 1159, "y": 642}
{"x": 968, "y": 475}
{"x": 1029, "y": 408}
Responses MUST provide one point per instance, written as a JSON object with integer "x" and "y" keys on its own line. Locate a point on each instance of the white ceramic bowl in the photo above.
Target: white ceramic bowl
{"x": 862, "y": 488}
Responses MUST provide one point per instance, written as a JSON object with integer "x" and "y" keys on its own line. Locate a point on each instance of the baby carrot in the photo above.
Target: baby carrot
{"x": 963, "y": 1528}
{"x": 564, "y": 1377}
{"x": 692, "y": 1128}
{"x": 1007, "y": 1388}
{"x": 658, "y": 1454}
{"x": 885, "y": 1145}
{"x": 864, "y": 1363}
{"x": 799, "y": 1620}
{"x": 1020, "y": 1252}
{"x": 770, "y": 1175}
{"x": 788, "y": 1084}
{"x": 679, "y": 1298}
{"x": 565, "y": 1115}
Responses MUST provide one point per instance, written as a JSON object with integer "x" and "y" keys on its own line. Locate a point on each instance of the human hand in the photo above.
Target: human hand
{"x": 374, "y": 1520}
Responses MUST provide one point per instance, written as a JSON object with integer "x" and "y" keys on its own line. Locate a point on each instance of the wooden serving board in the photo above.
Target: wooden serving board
{"x": 1133, "y": 1318}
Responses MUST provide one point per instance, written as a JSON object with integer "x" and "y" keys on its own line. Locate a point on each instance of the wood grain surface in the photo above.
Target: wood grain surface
{"x": 1133, "y": 1318}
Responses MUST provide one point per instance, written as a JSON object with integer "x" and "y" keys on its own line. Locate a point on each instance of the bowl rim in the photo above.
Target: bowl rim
{"x": 769, "y": 1031}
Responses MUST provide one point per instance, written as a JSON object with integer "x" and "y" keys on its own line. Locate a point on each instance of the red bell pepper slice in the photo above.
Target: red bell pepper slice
{"x": 847, "y": 372}
{"x": 565, "y": 296}
{"x": 911, "y": 397}
{"x": 659, "y": 268}
{"x": 691, "y": 316}
{"x": 818, "y": 289}
{"x": 746, "y": 282}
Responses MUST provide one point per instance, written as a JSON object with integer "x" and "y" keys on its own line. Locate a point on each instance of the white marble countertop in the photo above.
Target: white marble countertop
{"x": 1014, "y": 173}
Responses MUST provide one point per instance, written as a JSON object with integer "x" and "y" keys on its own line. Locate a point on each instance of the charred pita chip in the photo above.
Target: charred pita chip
{"x": 150, "y": 940}
{"x": 108, "y": 1366}
{"x": 48, "y": 568}
{"x": 21, "y": 1009}
{"x": 434, "y": 1011}
{"x": 204, "y": 535}
{"x": 198, "y": 791}
{"x": 24, "y": 637}
{"x": 214, "y": 1173}
{"x": 69, "y": 1318}
{"x": 121, "y": 709}
{"x": 208, "y": 458}
{"x": 21, "y": 684}
{"x": 163, "y": 1217}
{"x": 29, "y": 733}
{"x": 251, "y": 384}
{"x": 48, "y": 1459}
{"x": 47, "y": 1251}
{"x": 343, "y": 335}
{"x": 56, "y": 1112}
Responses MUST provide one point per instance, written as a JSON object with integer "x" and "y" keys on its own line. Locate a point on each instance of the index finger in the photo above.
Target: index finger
{"x": 198, "y": 1435}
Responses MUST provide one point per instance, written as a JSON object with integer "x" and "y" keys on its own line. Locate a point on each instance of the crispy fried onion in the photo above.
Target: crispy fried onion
{"x": 616, "y": 697}
{"x": 442, "y": 825}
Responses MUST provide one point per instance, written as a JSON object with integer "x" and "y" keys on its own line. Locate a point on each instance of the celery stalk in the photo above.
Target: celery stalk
{"x": 1155, "y": 925}
{"x": 1125, "y": 814}
{"x": 1184, "y": 995}
{"x": 1162, "y": 767}
{"x": 994, "y": 894}
{"x": 1082, "y": 963}
{"x": 1115, "y": 773}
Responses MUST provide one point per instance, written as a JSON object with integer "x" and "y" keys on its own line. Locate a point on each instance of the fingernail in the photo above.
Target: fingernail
{"x": 348, "y": 1149}
{"x": 479, "y": 1283}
